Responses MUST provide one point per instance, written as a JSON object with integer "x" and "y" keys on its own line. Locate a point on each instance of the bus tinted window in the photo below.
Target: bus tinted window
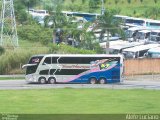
{"x": 154, "y": 24}
{"x": 80, "y": 60}
{"x": 31, "y": 69}
{"x": 34, "y": 60}
{"x": 44, "y": 72}
{"x": 54, "y": 59}
{"x": 73, "y": 60}
{"x": 47, "y": 60}
{"x": 67, "y": 71}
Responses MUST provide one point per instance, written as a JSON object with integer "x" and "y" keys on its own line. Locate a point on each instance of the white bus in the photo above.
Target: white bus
{"x": 131, "y": 33}
{"x": 112, "y": 43}
{"x": 57, "y": 68}
{"x": 117, "y": 49}
{"x": 138, "y": 51}
{"x": 138, "y": 22}
{"x": 143, "y": 36}
{"x": 152, "y": 24}
{"x": 153, "y": 53}
{"x": 154, "y": 36}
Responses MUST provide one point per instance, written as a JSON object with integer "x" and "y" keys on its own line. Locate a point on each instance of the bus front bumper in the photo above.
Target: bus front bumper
{"x": 31, "y": 78}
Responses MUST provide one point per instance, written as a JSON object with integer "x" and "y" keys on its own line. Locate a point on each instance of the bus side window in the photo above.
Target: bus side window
{"x": 54, "y": 60}
{"x": 47, "y": 60}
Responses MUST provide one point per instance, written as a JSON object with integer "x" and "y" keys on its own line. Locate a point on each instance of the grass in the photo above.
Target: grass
{"x": 123, "y": 5}
{"x": 79, "y": 101}
{"x": 13, "y": 59}
{"x": 12, "y": 78}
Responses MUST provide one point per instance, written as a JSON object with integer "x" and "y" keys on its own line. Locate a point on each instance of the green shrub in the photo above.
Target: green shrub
{"x": 65, "y": 49}
{"x": 14, "y": 59}
{"x": 35, "y": 33}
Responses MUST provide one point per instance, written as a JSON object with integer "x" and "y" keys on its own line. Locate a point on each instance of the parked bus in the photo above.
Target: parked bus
{"x": 143, "y": 36}
{"x": 112, "y": 43}
{"x": 152, "y": 24}
{"x": 154, "y": 36}
{"x": 153, "y": 53}
{"x": 138, "y": 51}
{"x": 117, "y": 49}
{"x": 132, "y": 32}
{"x": 138, "y": 22}
{"x": 134, "y": 22}
{"x": 56, "y": 68}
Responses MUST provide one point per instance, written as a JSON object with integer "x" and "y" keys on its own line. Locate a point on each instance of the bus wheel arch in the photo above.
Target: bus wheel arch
{"x": 93, "y": 80}
{"x": 102, "y": 80}
{"x": 42, "y": 80}
{"x": 52, "y": 80}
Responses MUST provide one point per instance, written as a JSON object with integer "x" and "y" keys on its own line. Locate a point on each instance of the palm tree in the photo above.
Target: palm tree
{"x": 108, "y": 24}
{"x": 107, "y": 20}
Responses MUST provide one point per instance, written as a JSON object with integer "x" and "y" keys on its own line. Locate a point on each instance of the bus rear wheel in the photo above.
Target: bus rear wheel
{"x": 42, "y": 80}
{"x": 93, "y": 81}
{"x": 52, "y": 80}
{"x": 102, "y": 81}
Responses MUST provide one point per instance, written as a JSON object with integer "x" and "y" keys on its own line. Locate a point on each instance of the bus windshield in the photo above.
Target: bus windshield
{"x": 140, "y": 35}
{"x": 35, "y": 61}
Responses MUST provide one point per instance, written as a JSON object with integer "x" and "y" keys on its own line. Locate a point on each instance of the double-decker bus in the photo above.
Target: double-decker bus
{"x": 74, "y": 68}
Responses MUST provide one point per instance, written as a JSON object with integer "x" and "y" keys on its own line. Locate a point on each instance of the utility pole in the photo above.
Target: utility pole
{"x": 102, "y": 7}
{"x": 8, "y": 31}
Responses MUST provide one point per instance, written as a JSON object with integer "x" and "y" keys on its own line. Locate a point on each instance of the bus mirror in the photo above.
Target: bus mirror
{"x": 24, "y": 66}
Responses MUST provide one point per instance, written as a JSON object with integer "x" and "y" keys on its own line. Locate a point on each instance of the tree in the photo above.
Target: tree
{"x": 155, "y": 1}
{"x": 94, "y": 3}
{"x": 74, "y": 30}
{"x": 20, "y": 12}
{"x": 30, "y": 3}
{"x": 72, "y": 1}
{"x": 141, "y": 1}
{"x": 83, "y": 1}
{"x": 153, "y": 12}
{"x": 116, "y": 1}
{"x": 129, "y": 1}
{"x": 104, "y": 1}
{"x": 108, "y": 24}
{"x": 2, "y": 50}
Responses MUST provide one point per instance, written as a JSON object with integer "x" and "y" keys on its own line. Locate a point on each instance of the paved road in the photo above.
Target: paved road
{"x": 21, "y": 84}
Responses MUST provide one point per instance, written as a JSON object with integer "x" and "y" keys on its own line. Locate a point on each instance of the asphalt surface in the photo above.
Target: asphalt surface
{"x": 126, "y": 84}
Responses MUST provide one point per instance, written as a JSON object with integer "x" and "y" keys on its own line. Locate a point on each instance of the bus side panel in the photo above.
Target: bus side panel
{"x": 112, "y": 75}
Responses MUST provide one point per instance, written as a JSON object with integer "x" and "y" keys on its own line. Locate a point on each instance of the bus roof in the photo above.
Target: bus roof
{"x": 136, "y": 28}
{"x": 141, "y": 47}
{"x": 113, "y": 43}
{"x": 145, "y": 31}
{"x": 158, "y": 31}
{"x": 121, "y": 16}
{"x": 126, "y": 45}
{"x": 154, "y": 50}
{"x": 82, "y": 55}
{"x": 154, "y": 21}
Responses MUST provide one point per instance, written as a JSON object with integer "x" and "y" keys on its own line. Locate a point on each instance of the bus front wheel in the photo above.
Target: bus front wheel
{"x": 42, "y": 80}
{"x": 93, "y": 81}
{"x": 52, "y": 80}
